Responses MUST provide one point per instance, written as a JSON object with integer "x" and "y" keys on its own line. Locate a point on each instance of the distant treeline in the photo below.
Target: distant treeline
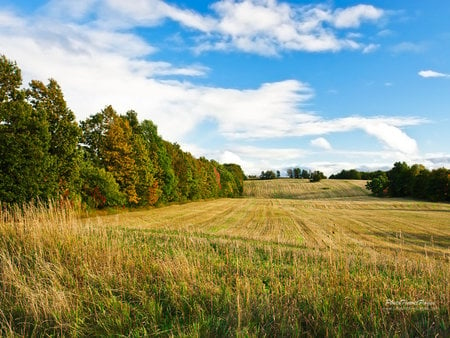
{"x": 354, "y": 174}
{"x": 106, "y": 160}
{"x": 313, "y": 176}
{"x": 404, "y": 181}
{"x": 415, "y": 181}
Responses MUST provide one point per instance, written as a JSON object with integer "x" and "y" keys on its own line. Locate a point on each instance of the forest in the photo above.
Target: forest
{"x": 104, "y": 161}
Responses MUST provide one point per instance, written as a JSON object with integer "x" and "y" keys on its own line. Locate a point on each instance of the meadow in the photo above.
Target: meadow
{"x": 290, "y": 258}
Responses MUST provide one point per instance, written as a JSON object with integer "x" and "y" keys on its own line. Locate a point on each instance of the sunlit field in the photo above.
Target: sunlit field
{"x": 289, "y": 259}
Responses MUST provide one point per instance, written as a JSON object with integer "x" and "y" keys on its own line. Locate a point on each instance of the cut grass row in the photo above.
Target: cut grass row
{"x": 305, "y": 190}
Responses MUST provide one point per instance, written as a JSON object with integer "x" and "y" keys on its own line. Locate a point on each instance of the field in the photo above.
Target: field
{"x": 291, "y": 258}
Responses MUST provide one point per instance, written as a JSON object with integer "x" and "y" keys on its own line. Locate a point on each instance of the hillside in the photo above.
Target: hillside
{"x": 305, "y": 190}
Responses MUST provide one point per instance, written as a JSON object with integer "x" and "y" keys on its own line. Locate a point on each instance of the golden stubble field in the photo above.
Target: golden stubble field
{"x": 290, "y": 258}
{"x": 336, "y": 214}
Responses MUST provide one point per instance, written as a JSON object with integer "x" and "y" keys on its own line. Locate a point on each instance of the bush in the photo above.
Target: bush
{"x": 99, "y": 188}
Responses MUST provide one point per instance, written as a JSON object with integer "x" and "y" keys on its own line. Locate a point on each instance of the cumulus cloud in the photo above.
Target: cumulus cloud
{"x": 268, "y": 26}
{"x": 352, "y": 17}
{"x": 321, "y": 143}
{"x": 264, "y": 27}
{"x": 432, "y": 73}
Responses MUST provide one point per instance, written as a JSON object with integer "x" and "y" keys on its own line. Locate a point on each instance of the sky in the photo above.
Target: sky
{"x": 267, "y": 84}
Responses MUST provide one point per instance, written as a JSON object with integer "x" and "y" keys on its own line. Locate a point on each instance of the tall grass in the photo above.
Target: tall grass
{"x": 62, "y": 275}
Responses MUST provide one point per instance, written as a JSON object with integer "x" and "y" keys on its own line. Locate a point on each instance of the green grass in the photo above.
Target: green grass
{"x": 338, "y": 266}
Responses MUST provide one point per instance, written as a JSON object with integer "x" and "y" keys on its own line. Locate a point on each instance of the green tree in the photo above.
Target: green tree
{"x": 147, "y": 186}
{"x": 26, "y": 166}
{"x": 438, "y": 185}
{"x": 400, "y": 180}
{"x": 118, "y": 154}
{"x": 267, "y": 175}
{"x": 378, "y": 185}
{"x": 238, "y": 176}
{"x": 317, "y": 176}
{"x": 99, "y": 188}
{"x": 305, "y": 174}
{"x": 162, "y": 163}
{"x": 64, "y": 132}
{"x": 290, "y": 173}
{"x": 109, "y": 145}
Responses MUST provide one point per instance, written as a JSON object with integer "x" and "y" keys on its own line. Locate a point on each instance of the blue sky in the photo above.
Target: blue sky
{"x": 324, "y": 85}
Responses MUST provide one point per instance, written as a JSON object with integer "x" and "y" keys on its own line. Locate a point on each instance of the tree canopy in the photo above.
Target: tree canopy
{"x": 415, "y": 181}
{"x": 106, "y": 160}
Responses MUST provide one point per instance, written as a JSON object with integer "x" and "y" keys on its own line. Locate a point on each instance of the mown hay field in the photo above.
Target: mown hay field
{"x": 317, "y": 262}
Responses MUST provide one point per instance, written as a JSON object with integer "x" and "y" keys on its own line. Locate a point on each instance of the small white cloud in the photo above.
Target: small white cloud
{"x": 352, "y": 17}
{"x": 432, "y": 73}
{"x": 321, "y": 143}
{"x": 370, "y": 48}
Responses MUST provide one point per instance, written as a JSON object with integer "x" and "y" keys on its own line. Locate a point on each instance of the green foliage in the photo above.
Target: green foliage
{"x": 64, "y": 132}
{"x": 438, "y": 185}
{"x": 298, "y": 173}
{"x": 27, "y": 168}
{"x": 351, "y": 174}
{"x": 317, "y": 176}
{"x": 45, "y": 154}
{"x": 161, "y": 161}
{"x": 400, "y": 180}
{"x": 379, "y": 185}
{"x": 99, "y": 188}
{"x": 238, "y": 176}
{"x": 10, "y": 80}
{"x": 415, "y": 181}
{"x": 267, "y": 175}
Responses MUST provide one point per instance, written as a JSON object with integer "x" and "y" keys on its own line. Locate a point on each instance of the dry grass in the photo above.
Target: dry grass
{"x": 230, "y": 267}
{"x": 380, "y": 226}
{"x": 305, "y": 190}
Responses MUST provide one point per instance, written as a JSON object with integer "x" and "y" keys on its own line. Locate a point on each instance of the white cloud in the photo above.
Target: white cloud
{"x": 94, "y": 70}
{"x": 267, "y": 26}
{"x": 352, "y": 17}
{"x": 370, "y": 48}
{"x": 264, "y": 27}
{"x": 84, "y": 60}
{"x": 321, "y": 143}
{"x": 432, "y": 73}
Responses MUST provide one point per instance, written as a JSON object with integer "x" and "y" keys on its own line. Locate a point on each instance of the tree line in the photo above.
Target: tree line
{"x": 354, "y": 174}
{"x": 106, "y": 160}
{"x": 412, "y": 181}
{"x": 296, "y": 173}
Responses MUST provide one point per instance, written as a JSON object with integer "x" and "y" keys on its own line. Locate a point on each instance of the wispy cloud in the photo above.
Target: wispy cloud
{"x": 408, "y": 47}
{"x": 432, "y": 73}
